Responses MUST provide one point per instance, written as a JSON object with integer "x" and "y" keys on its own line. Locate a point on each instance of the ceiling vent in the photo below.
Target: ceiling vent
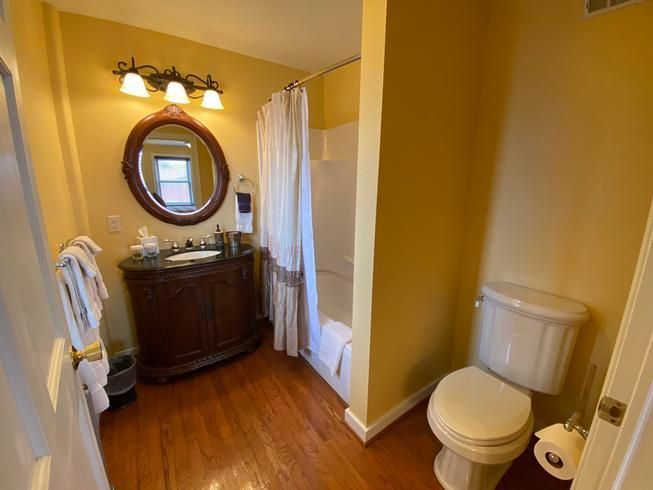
{"x": 595, "y": 7}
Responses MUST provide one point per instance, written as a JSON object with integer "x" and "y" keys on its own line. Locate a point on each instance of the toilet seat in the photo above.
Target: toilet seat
{"x": 480, "y": 409}
{"x": 480, "y": 417}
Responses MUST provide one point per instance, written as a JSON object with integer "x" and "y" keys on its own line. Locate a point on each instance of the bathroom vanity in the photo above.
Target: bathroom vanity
{"x": 190, "y": 314}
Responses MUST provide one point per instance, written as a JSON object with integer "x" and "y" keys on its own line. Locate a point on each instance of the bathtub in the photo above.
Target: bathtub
{"x": 335, "y": 300}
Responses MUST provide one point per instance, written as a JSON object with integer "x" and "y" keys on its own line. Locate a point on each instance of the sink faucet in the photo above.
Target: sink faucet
{"x": 189, "y": 242}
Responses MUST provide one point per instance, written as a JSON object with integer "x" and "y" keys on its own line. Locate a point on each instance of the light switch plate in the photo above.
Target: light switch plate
{"x": 114, "y": 224}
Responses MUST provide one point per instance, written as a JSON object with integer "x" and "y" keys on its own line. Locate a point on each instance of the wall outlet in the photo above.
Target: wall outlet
{"x": 113, "y": 222}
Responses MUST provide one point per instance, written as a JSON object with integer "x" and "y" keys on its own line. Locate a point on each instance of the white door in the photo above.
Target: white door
{"x": 621, "y": 457}
{"x": 46, "y": 437}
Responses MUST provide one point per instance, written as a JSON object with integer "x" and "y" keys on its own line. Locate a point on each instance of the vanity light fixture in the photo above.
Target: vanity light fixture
{"x": 176, "y": 93}
{"x": 211, "y": 100}
{"x": 133, "y": 84}
{"x": 177, "y": 87}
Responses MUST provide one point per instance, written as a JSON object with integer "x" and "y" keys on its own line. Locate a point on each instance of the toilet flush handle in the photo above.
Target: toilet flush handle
{"x": 478, "y": 301}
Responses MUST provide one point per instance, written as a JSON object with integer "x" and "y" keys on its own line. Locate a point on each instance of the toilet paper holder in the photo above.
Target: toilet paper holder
{"x": 573, "y": 422}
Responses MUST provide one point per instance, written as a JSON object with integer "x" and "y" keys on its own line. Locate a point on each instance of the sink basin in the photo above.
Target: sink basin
{"x": 195, "y": 255}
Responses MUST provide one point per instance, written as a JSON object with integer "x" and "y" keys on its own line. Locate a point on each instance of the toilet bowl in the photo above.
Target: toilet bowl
{"x": 484, "y": 419}
{"x": 483, "y": 424}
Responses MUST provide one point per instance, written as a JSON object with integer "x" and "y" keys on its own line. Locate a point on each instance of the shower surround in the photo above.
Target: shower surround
{"x": 333, "y": 185}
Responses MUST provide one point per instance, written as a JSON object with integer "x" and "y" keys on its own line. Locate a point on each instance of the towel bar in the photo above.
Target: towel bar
{"x": 240, "y": 179}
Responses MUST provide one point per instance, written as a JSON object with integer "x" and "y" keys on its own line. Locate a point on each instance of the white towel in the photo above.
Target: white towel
{"x": 335, "y": 336}
{"x": 91, "y": 249}
{"x": 88, "y": 374}
{"x": 92, "y": 374}
{"x": 79, "y": 278}
{"x": 244, "y": 221}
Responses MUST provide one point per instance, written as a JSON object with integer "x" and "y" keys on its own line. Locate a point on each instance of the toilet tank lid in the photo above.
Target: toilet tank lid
{"x": 536, "y": 303}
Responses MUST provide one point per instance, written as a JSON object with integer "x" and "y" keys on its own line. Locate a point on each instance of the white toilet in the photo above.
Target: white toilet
{"x": 484, "y": 419}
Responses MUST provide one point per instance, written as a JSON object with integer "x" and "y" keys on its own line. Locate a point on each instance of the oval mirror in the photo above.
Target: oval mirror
{"x": 175, "y": 167}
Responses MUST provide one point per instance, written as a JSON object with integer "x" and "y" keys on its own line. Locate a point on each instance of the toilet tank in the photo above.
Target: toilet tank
{"x": 527, "y": 336}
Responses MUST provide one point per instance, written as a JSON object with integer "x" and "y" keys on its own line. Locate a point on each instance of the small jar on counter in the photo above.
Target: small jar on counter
{"x": 137, "y": 252}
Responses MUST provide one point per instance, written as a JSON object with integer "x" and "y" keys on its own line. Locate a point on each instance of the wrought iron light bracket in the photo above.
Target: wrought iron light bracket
{"x": 157, "y": 80}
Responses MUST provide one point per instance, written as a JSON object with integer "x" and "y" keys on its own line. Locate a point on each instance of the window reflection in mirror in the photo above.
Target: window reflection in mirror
{"x": 177, "y": 169}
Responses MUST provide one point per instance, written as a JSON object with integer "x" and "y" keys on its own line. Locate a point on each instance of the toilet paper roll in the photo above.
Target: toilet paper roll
{"x": 558, "y": 451}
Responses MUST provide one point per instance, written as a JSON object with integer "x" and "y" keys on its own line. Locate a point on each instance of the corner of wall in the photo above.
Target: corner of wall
{"x": 64, "y": 117}
{"x": 369, "y": 143}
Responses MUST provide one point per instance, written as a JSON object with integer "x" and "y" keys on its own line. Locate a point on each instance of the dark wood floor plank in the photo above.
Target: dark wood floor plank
{"x": 268, "y": 421}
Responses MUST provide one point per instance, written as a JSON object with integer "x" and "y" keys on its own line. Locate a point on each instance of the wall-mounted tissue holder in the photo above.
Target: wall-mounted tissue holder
{"x": 573, "y": 422}
{"x": 560, "y": 446}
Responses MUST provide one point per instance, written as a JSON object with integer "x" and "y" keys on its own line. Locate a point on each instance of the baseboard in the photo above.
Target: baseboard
{"x": 357, "y": 427}
{"x": 367, "y": 433}
{"x": 132, "y": 351}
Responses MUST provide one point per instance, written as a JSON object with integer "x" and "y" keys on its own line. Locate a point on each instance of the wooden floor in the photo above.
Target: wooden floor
{"x": 265, "y": 420}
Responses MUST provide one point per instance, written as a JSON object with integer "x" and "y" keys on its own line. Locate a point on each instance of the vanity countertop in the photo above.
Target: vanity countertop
{"x": 159, "y": 263}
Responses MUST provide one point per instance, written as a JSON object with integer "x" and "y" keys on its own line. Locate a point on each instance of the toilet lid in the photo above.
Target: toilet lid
{"x": 479, "y": 407}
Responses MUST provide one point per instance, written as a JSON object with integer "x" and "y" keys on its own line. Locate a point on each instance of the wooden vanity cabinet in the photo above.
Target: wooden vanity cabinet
{"x": 191, "y": 315}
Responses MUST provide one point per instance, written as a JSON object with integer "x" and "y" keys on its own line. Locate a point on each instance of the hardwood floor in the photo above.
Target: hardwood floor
{"x": 265, "y": 420}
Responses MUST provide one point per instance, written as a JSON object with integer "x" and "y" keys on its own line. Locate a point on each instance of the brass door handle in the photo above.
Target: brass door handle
{"x": 92, "y": 352}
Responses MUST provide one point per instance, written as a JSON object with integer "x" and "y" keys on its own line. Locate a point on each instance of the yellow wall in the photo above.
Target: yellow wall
{"x": 341, "y": 95}
{"x": 103, "y": 118}
{"x": 533, "y": 172}
{"x": 426, "y": 150}
{"x": 40, "y": 122}
{"x": 563, "y": 172}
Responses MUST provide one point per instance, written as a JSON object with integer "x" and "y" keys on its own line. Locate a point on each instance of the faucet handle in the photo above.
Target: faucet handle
{"x": 203, "y": 241}
{"x": 175, "y": 246}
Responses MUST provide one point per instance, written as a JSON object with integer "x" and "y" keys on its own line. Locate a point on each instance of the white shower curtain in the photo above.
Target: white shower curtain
{"x": 288, "y": 288}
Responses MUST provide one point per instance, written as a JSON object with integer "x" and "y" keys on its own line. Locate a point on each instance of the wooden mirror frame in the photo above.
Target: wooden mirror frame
{"x": 173, "y": 114}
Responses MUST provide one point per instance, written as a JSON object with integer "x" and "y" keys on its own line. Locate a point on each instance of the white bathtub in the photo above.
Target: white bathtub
{"x": 335, "y": 299}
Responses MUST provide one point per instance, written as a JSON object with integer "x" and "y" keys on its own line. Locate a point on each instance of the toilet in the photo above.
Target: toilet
{"x": 483, "y": 418}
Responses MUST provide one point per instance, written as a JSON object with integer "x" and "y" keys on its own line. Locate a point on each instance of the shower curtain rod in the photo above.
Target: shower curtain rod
{"x": 297, "y": 83}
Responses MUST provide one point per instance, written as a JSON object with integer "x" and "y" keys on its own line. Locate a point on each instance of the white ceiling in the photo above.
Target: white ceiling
{"x": 307, "y": 34}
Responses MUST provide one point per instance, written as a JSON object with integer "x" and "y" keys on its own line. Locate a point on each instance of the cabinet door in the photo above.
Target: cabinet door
{"x": 227, "y": 294}
{"x": 151, "y": 350}
{"x": 181, "y": 319}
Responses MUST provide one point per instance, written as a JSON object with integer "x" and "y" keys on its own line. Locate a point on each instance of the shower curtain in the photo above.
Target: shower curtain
{"x": 288, "y": 287}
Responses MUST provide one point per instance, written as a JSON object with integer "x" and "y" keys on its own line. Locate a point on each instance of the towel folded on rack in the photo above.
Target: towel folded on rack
{"x": 91, "y": 249}
{"x": 335, "y": 336}
{"x": 79, "y": 277}
{"x": 93, "y": 374}
{"x": 244, "y": 200}
{"x": 244, "y": 219}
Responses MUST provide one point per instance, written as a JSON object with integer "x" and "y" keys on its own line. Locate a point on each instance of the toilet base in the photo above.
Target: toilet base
{"x": 457, "y": 473}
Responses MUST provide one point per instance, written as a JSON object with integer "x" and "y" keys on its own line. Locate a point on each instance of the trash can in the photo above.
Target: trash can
{"x": 121, "y": 382}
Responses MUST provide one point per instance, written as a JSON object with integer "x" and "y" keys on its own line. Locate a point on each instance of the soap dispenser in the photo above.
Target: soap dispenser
{"x": 218, "y": 237}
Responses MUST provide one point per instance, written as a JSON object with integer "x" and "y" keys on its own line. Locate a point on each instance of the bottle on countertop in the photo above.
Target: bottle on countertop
{"x": 218, "y": 237}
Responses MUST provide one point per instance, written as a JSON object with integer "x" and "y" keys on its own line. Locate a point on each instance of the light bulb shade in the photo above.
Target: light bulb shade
{"x": 211, "y": 100}
{"x": 133, "y": 84}
{"x": 176, "y": 93}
